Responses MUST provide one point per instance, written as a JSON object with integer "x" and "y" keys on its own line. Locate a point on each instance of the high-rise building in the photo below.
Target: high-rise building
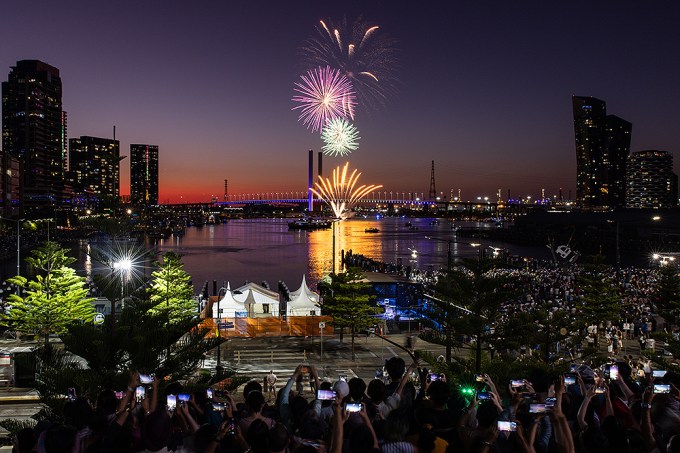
{"x": 34, "y": 131}
{"x": 602, "y": 147}
{"x": 95, "y": 165}
{"x": 617, "y": 147}
{"x": 650, "y": 181}
{"x": 144, "y": 175}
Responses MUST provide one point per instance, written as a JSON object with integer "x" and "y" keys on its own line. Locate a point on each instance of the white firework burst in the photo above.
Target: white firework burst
{"x": 340, "y": 137}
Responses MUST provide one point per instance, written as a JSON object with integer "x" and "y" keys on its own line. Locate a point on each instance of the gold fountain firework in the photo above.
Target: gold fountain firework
{"x": 341, "y": 193}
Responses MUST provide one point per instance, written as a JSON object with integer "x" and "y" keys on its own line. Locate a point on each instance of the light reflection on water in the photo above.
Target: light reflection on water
{"x": 264, "y": 249}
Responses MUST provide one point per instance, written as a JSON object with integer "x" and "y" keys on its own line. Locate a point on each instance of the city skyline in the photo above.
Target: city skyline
{"x": 483, "y": 90}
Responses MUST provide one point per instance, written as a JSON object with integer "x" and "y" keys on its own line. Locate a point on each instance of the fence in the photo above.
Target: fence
{"x": 294, "y": 326}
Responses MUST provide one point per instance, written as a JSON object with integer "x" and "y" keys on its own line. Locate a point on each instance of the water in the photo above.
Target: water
{"x": 265, "y": 249}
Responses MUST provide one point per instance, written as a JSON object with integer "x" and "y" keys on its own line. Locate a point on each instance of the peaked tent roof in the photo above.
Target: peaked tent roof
{"x": 304, "y": 289}
{"x": 303, "y": 301}
{"x": 261, "y": 294}
{"x": 228, "y": 304}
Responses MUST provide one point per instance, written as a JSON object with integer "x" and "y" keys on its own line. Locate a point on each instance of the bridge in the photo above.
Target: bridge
{"x": 375, "y": 199}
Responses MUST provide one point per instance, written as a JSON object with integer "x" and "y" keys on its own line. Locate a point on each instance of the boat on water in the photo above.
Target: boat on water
{"x": 372, "y": 230}
{"x": 158, "y": 233}
{"x": 310, "y": 224}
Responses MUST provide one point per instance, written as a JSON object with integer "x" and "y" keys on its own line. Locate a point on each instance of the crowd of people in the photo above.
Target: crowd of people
{"x": 606, "y": 409}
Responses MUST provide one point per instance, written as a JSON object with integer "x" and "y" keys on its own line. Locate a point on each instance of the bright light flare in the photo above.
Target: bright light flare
{"x": 323, "y": 95}
{"x": 120, "y": 258}
{"x": 340, "y": 137}
{"x": 341, "y": 192}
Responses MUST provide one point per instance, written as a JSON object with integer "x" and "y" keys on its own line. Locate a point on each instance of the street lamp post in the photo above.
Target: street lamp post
{"x": 449, "y": 258}
{"x": 218, "y": 367}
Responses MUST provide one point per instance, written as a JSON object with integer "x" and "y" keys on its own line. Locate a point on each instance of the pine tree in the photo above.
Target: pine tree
{"x": 351, "y": 303}
{"x": 601, "y": 297}
{"x": 171, "y": 292}
{"x": 56, "y": 298}
{"x": 466, "y": 302}
{"x": 667, "y": 305}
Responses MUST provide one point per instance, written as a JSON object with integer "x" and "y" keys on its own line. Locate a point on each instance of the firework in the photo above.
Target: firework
{"x": 340, "y": 137}
{"x": 340, "y": 192}
{"x": 324, "y": 94}
{"x": 361, "y": 52}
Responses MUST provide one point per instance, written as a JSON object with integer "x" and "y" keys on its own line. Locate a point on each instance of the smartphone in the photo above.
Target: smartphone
{"x": 507, "y": 426}
{"x": 231, "y": 428}
{"x": 481, "y": 396}
{"x": 140, "y": 393}
{"x": 517, "y": 383}
{"x": 658, "y": 373}
{"x": 218, "y": 407}
{"x": 613, "y": 372}
{"x": 119, "y": 395}
{"x": 550, "y": 402}
{"x": 171, "y": 402}
{"x": 146, "y": 378}
{"x": 325, "y": 395}
{"x": 184, "y": 397}
{"x": 662, "y": 388}
{"x": 72, "y": 394}
{"x": 434, "y": 377}
{"x": 353, "y": 407}
{"x": 600, "y": 390}
{"x": 538, "y": 408}
{"x": 569, "y": 379}
{"x": 479, "y": 377}
{"x": 209, "y": 393}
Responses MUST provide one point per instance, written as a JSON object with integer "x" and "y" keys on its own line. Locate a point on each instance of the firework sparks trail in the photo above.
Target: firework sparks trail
{"x": 340, "y": 137}
{"x": 361, "y": 52}
{"x": 324, "y": 94}
{"x": 341, "y": 193}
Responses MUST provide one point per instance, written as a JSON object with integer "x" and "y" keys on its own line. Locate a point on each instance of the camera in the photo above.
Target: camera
{"x": 662, "y": 388}
{"x": 231, "y": 428}
{"x": 140, "y": 393}
{"x": 218, "y": 407}
{"x": 325, "y": 395}
{"x": 507, "y": 426}
{"x": 612, "y": 371}
{"x": 353, "y": 407}
{"x": 538, "y": 408}
{"x": 146, "y": 378}
{"x": 171, "y": 403}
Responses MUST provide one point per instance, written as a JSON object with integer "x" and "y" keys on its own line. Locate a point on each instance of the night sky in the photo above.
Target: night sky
{"x": 484, "y": 86}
